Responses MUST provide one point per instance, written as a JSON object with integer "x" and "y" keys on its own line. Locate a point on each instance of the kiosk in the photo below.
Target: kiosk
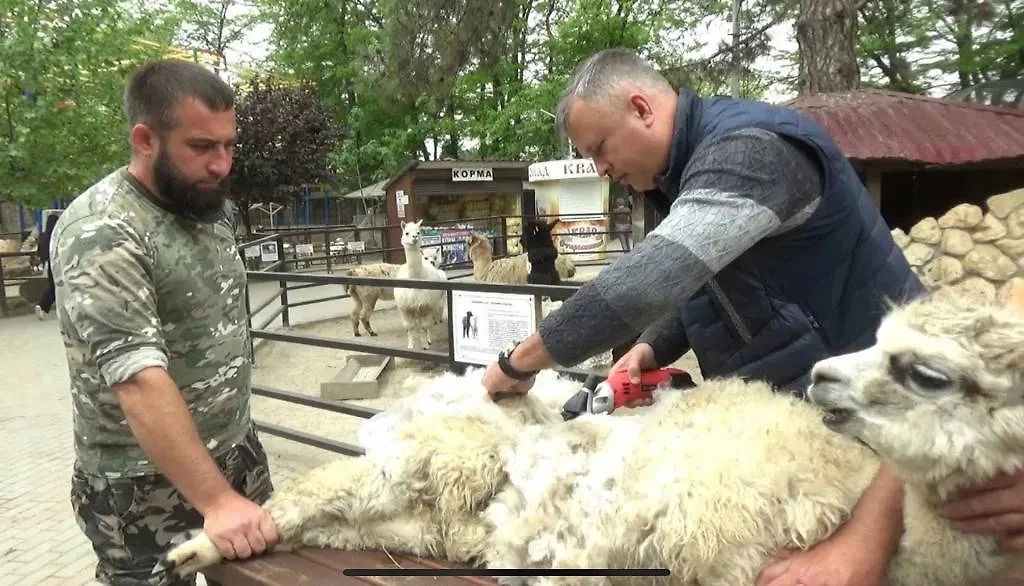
{"x": 572, "y": 191}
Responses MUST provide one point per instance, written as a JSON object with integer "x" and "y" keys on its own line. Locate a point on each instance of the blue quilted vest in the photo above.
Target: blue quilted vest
{"x": 796, "y": 298}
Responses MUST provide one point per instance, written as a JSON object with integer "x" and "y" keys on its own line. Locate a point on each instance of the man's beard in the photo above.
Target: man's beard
{"x": 186, "y": 198}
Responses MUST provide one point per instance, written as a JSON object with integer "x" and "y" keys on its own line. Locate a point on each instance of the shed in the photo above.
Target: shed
{"x": 446, "y": 191}
{"x": 920, "y": 156}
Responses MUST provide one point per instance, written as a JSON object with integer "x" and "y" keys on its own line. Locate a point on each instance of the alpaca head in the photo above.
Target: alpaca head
{"x": 432, "y": 256}
{"x": 479, "y": 247}
{"x": 411, "y": 233}
{"x": 941, "y": 393}
{"x": 537, "y": 235}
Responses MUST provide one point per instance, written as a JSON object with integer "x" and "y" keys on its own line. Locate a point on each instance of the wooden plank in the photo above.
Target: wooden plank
{"x": 312, "y": 566}
{"x": 278, "y": 569}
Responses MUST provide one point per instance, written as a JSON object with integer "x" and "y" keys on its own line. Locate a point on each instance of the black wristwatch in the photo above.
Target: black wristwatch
{"x": 509, "y": 370}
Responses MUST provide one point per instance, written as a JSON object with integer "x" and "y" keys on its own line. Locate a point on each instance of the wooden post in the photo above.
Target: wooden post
{"x": 874, "y": 185}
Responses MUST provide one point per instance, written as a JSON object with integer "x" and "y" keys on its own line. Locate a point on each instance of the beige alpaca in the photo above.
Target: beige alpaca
{"x": 706, "y": 482}
{"x": 365, "y": 297}
{"x": 512, "y": 270}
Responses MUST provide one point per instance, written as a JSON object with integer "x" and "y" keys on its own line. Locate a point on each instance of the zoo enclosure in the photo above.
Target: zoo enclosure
{"x": 323, "y": 251}
{"x": 279, "y": 271}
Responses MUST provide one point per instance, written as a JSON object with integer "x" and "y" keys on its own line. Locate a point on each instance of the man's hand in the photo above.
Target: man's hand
{"x": 996, "y": 507}
{"x": 499, "y": 384}
{"x": 529, "y": 356}
{"x": 639, "y": 358}
{"x": 837, "y": 561}
{"x": 239, "y": 527}
{"x": 855, "y": 555}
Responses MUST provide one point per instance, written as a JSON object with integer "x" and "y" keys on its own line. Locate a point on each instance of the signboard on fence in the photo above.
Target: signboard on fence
{"x": 268, "y": 252}
{"x": 485, "y": 323}
{"x": 454, "y": 242}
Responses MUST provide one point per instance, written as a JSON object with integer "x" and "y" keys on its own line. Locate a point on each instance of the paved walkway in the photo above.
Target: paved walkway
{"x": 40, "y": 542}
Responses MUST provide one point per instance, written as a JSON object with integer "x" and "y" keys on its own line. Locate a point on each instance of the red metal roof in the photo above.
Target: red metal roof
{"x": 877, "y": 125}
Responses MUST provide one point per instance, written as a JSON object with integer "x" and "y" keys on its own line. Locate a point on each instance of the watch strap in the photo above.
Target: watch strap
{"x": 509, "y": 370}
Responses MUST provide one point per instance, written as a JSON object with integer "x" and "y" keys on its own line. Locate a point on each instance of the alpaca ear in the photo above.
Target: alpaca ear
{"x": 403, "y": 224}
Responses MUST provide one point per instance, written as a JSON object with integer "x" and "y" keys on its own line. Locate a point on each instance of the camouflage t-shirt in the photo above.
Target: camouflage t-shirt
{"x": 138, "y": 286}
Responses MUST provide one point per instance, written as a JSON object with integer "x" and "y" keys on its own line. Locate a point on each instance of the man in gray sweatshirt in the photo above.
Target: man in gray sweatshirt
{"x": 771, "y": 257}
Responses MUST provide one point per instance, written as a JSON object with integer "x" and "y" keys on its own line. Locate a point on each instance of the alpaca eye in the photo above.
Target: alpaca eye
{"x": 928, "y": 378}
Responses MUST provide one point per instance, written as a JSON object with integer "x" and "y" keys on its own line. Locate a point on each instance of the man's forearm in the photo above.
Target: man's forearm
{"x": 164, "y": 428}
{"x": 878, "y": 517}
{"x": 531, "y": 354}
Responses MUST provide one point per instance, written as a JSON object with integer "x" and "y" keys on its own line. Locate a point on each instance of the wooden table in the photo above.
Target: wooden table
{"x": 315, "y": 567}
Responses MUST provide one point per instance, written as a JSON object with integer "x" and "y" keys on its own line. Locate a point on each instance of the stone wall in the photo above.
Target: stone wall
{"x": 974, "y": 250}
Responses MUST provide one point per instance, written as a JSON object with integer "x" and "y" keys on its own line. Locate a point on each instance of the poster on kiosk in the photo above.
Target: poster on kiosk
{"x": 572, "y": 191}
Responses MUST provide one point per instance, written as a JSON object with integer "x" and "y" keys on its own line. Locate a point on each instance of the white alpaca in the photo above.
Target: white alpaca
{"x": 706, "y": 483}
{"x": 417, "y": 307}
{"x": 433, "y": 257}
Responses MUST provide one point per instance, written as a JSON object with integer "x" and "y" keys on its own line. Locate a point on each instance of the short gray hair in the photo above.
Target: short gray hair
{"x": 602, "y": 74}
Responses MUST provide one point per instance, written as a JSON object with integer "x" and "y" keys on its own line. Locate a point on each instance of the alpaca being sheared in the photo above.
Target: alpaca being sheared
{"x": 706, "y": 482}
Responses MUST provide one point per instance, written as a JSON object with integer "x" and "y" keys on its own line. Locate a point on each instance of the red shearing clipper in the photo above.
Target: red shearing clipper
{"x": 606, "y": 396}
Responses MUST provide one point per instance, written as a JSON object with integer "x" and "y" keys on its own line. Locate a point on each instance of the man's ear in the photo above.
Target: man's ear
{"x": 641, "y": 106}
{"x": 144, "y": 141}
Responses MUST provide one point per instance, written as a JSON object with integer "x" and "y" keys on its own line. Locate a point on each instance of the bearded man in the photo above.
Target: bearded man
{"x": 150, "y": 301}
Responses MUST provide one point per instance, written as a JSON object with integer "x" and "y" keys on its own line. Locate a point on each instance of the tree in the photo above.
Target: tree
{"x": 208, "y": 25}
{"x": 826, "y": 32}
{"x": 285, "y": 141}
{"x": 63, "y": 64}
{"x": 893, "y": 37}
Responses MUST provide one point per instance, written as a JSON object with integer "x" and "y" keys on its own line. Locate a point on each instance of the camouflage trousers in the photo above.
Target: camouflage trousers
{"x": 133, "y": 521}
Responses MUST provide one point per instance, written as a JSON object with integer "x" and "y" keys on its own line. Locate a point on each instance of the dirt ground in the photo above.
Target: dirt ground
{"x": 301, "y": 369}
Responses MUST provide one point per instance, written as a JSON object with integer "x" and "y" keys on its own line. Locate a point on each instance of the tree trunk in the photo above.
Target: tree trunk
{"x": 826, "y": 34}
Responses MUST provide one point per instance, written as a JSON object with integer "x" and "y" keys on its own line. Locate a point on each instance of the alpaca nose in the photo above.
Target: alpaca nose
{"x": 826, "y": 372}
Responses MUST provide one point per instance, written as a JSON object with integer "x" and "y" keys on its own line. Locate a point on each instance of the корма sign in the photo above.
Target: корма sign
{"x": 472, "y": 174}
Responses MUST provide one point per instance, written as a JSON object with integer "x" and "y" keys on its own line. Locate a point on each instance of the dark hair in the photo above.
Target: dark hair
{"x": 156, "y": 88}
{"x": 43, "y": 246}
{"x": 51, "y": 221}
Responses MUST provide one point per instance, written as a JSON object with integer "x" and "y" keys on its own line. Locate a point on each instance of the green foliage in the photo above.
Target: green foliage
{"x": 209, "y": 25}
{"x": 945, "y": 45}
{"x": 62, "y": 69}
{"x": 437, "y": 78}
